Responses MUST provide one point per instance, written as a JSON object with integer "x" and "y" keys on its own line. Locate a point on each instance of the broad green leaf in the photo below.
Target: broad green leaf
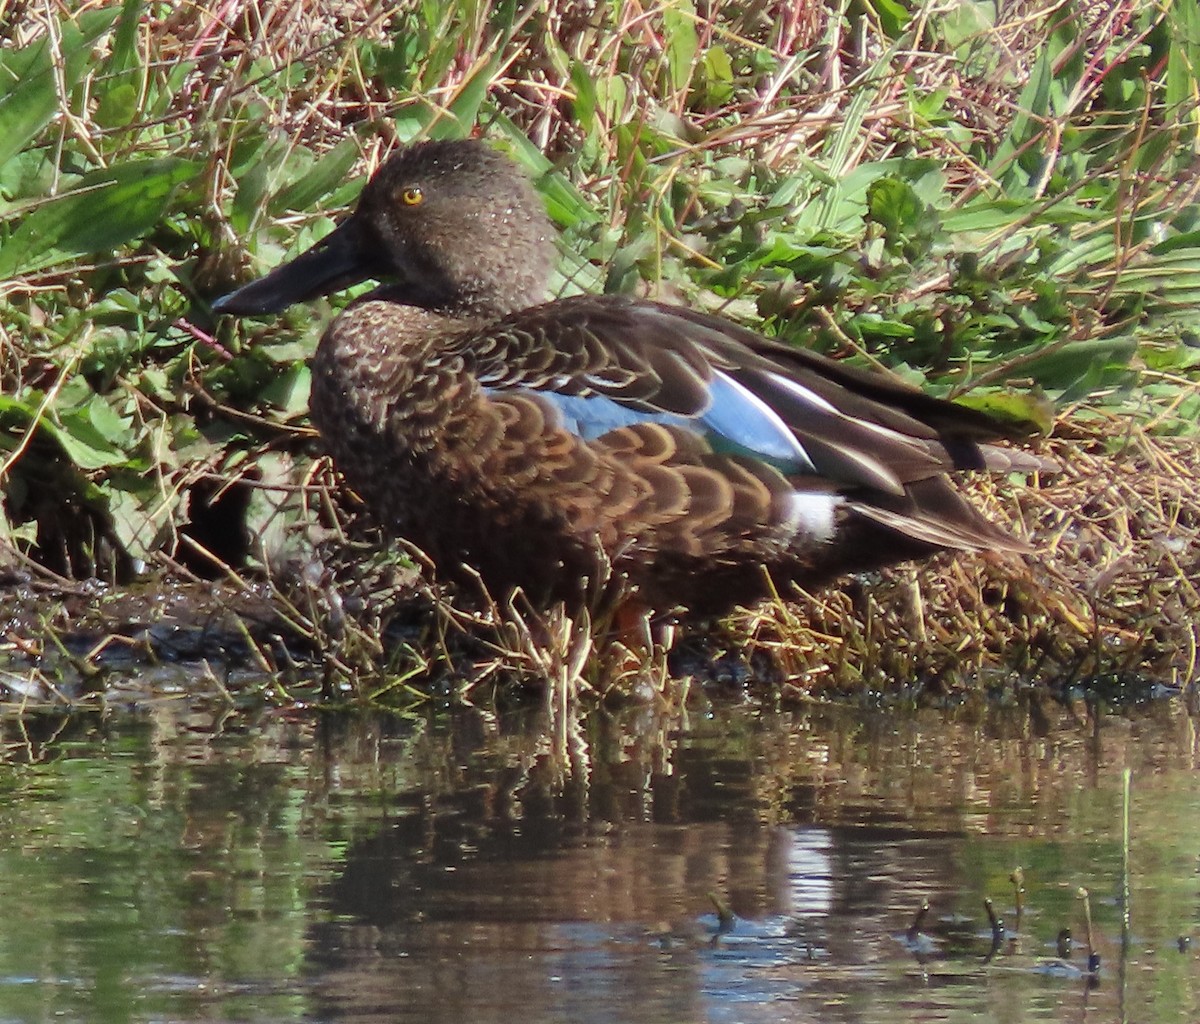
{"x": 118, "y": 105}
{"x": 841, "y": 206}
{"x": 83, "y": 444}
{"x": 273, "y": 509}
{"x": 330, "y": 172}
{"x": 1033, "y": 107}
{"x": 985, "y": 215}
{"x": 28, "y": 92}
{"x": 872, "y": 325}
{"x": 109, "y": 424}
{"x": 1173, "y": 277}
{"x": 124, "y": 56}
{"x": 679, "y": 27}
{"x": 20, "y": 410}
{"x": 967, "y": 23}
{"x": 138, "y": 515}
{"x": 106, "y": 209}
{"x": 585, "y": 96}
{"x": 1021, "y": 410}
{"x": 1185, "y": 240}
{"x": 118, "y": 89}
{"x": 893, "y": 204}
{"x": 289, "y": 391}
{"x": 893, "y": 16}
{"x": 248, "y": 202}
{"x": 1183, "y": 57}
{"x": 1089, "y": 251}
{"x": 718, "y": 76}
{"x": 1078, "y": 365}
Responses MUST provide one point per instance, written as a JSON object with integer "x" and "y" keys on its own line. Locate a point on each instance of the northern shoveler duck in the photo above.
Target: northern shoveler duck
{"x": 549, "y": 443}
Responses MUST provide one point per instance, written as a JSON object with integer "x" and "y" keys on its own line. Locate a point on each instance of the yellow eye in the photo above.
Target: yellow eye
{"x": 412, "y": 196}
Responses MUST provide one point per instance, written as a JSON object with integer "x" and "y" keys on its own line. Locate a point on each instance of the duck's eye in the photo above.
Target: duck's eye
{"x": 412, "y": 196}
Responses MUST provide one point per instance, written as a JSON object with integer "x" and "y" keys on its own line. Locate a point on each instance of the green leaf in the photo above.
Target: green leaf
{"x": 893, "y": 204}
{"x": 119, "y": 88}
{"x": 19, "y": 410}
{"x": 327, "y": 174}
{"x": 839, "y": 206}
{"x": 124, "y": 56}
{"x": 1185, "y": 240}
{"x": 106, "y": 209}
{"x": 109, "y": 424}
{"x": 718, "y": 75}
{"x": 289, "y": 391}
{"x": 456, "y": 121}
{"x": 85, "y": 447}
{"x": 1022, "y": 410}
{"x": 872, "y": 325}
{"x": 28, "y": 92}
{"x": 1079, "y": 367}
{"x": 1033, "y": 107}
{"x": 138, "y": 508}
{"x": 567, "y": 206}
{"x": 248, "y": 202}
{"x": 118, "y": 105}
{"x": 1173, "y": 276}
{"x": 966, "y": 25}
{"x": 893, "y": 17}
{"x": 1183, "y": 56}
{"x": 679, "y": 28}
{"x": 585, "y": 96}
{"x": 985, "y": 215}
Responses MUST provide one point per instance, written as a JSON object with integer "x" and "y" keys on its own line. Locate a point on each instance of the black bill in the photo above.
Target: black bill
{"x": 337, "y": 261}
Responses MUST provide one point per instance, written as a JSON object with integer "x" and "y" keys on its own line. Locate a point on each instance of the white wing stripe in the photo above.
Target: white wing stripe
{"x": 799, "y": 391}
{"x": 804, "y": 394}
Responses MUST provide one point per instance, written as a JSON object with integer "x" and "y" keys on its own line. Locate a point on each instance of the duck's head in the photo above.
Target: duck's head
{"x": 450, "y": 226}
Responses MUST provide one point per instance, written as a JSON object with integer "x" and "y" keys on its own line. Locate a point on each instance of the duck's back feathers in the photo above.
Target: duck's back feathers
{"x": 608, "y": 362}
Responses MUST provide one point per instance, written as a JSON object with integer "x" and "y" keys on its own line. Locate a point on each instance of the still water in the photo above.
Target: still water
{"x": 171, "y": 866}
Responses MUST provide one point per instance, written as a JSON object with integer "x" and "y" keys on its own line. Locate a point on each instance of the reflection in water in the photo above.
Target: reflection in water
{"x": 480, "y": 867}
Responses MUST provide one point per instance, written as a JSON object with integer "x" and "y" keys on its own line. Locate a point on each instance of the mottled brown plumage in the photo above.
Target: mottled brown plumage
{"x": 543, "y": 442}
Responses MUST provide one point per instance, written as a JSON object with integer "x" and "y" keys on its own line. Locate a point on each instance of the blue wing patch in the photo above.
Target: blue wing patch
{"x": 736, "y": 422}
{"x": 593, "y": 416}
{"x": 752, "y": 427}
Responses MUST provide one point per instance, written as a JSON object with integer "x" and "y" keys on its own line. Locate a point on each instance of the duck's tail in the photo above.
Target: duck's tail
{"x": 932, "y": 514}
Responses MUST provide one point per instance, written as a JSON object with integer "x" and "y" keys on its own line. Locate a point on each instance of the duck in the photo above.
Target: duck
{"x": 608, "y": 445}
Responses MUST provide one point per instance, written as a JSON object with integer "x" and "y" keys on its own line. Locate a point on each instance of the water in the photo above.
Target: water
{"x": 173, "y": 867}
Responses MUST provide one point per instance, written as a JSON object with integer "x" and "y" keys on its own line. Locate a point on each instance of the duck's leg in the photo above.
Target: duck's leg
{"x": 631, "y": 624}
{"x": 635, "y": 646}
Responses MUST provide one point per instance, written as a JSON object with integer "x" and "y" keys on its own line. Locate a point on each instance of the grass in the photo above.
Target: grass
{"x": 998, "y": 206}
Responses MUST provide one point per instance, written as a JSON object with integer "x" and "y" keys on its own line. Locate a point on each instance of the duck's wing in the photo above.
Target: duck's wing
{"x": 609, "y": 362}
